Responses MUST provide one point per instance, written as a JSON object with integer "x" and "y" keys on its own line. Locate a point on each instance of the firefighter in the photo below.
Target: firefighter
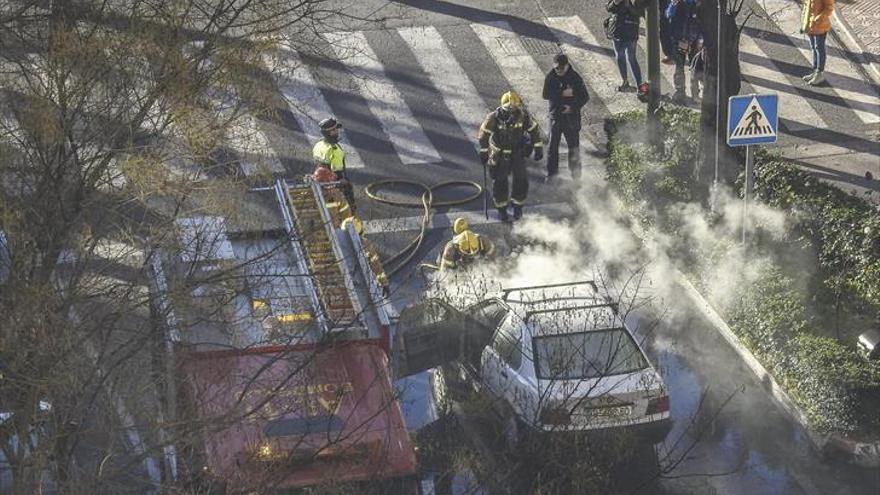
{"x": 371, "y": 253}
{"x": 507, "y": 136}
{"x": 334, "y": 197}
{"x": 328, "y": 153}
{"x": 465, "y": 247}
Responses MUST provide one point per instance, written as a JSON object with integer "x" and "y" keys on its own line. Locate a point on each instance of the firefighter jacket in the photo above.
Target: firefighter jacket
{"x": 329, "y": 154}
{"x": 464, "y": 248}
{"x": 512, "y": 138}
{"x": 375, "y": 263}
{"x": 816, "y": 16}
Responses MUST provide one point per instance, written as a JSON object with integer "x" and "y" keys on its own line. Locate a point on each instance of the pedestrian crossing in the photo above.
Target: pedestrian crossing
{"x": 519, "y": 65}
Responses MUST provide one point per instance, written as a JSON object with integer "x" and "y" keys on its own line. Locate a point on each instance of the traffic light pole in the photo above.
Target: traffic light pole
{"x": 654, "y": 89}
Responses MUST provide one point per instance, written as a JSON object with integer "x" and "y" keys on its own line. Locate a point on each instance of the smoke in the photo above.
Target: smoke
{"x": 603, "y": 243}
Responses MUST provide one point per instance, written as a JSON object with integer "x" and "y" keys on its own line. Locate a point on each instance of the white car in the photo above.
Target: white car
{"x": 559, "y": 357}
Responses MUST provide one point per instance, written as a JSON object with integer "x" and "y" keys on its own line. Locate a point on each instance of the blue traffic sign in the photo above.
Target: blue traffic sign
{"x": 752, "y": 119}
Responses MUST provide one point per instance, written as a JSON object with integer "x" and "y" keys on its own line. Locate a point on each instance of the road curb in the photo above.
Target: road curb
{"x": 851, "y": 42}
{"x": 817, "y": 441}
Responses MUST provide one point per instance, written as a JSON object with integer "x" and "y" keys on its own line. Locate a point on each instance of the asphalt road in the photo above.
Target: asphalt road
{"x": 410, "y": 93}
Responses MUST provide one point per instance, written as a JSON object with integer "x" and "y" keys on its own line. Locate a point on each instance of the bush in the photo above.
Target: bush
{"x": 643, "y": 173}
{"x": 830, "y": 382}
{"x": 844, "y": 229}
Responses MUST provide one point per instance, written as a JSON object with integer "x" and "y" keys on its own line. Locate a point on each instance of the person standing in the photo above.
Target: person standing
{"x": 816, "y": 22}
{"x": 508, "y": 135}
{"x": 328, "y": 153}
{"x": 686, "y": 33}
{"x": 567, "y": 94}
{"x": 666, "y": 44}
{"x": 625, "y": 34}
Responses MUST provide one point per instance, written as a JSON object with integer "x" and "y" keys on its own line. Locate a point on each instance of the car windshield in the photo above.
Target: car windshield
{"x": 591, "y": 354}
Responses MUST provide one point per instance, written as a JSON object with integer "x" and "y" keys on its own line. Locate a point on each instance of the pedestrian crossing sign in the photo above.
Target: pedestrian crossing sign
{"x": 752, "y": 119}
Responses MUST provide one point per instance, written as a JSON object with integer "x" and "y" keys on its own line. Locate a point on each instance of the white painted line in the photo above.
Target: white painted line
{"x": 600, "y": 71}
{"x": 254, "y": 151}
{"x": 447, "y": 75}
{"x": 517, "y": 66}
{"x": 385, "y": 101}
{"x": 860, "y": 96}
{"x": 444, "y": 220}
{"x": 792, "y": 107}
{"x": 306, "y": 102}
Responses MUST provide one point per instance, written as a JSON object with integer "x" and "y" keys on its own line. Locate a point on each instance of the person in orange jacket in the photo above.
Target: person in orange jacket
{"x": 816, "y": 22}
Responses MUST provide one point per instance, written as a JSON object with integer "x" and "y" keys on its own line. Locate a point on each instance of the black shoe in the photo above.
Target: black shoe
{"x": 502, "y": 213}
{"x": 625, "y": 88}
{"x": 517, "y": 212}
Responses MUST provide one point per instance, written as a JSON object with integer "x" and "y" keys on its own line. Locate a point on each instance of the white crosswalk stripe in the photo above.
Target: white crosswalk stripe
{"x": 254, "y": 151}
{"x": 445, "y": 220}
{"x": 385, "y": 101}
{"x": 306, "y": 102}
{"x": 792, "y": 107}
{"x": 858, "y": 94}
{"x": 602, "y": 71}
{"x": 517, "y": 66}
{"x": 448, "y": 77}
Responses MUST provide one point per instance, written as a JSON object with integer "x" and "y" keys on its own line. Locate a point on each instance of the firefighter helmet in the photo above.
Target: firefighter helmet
{"x": 468, "y": 243}
{"x": 460, "y": 225}
{"x": 510, "y": 100}
{"x": 324, "y": 174}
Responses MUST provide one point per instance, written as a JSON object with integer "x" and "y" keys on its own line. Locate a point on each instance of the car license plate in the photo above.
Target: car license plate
{"x": 611, "y": 412}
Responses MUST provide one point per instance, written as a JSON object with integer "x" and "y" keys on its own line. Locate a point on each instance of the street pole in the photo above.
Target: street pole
{"x": 746, "y": 190}
{"x": 653, "y": 21}
{"x": 718, "y": 65}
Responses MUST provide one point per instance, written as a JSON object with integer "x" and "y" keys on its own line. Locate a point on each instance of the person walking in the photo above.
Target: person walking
{"x": 464, "y": 247}
{"x": 328, "y": 153}
{"x": 508, "y": 135}
{"x": 816, "y": 22}
{"x": 686, "y": 33}
{"x": 567, "y": 94}
{"x": 625, "y": 34}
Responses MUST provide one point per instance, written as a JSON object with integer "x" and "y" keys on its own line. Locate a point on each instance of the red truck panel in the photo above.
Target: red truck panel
{"x": 293, "y": 417}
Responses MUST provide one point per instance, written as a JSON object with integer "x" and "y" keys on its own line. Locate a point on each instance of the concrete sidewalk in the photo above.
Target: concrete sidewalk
{"x": 857, "y": 23}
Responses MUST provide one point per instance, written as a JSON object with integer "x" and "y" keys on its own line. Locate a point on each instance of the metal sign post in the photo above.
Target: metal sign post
{"x": 751, "y": 119}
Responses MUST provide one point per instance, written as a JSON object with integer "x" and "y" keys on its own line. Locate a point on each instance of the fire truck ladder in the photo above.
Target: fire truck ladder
{"x": 333, "y": 283}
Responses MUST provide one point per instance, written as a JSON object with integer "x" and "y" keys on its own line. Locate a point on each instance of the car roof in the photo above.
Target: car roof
{"x": 561, "y": 309}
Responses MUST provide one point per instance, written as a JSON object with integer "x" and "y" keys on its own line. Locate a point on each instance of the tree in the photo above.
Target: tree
{"x": 115, "y": 124}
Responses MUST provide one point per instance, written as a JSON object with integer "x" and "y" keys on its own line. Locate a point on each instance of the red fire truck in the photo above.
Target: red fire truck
{"x": 281, "y": 339}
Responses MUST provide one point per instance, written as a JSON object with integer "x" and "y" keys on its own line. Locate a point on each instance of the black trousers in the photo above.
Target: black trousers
{"x": 572, "y": 140}
{"x": 502, "y": 194}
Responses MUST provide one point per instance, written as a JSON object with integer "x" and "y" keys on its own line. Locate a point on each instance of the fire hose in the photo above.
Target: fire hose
{"x": 426, "y": 202}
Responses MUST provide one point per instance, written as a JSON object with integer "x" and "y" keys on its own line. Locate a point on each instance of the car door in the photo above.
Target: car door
{"x": 502, "y": 358}
{"x": 431, "y": 334}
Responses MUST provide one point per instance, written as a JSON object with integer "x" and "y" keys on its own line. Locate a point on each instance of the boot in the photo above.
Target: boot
{"x": 517, "y": 212}
{"x": 502, "y": 213}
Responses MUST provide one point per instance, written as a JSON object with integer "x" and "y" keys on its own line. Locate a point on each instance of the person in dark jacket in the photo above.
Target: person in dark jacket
{"x": 625, "y": 34}
{"x": 686, "y": 32}
{"x": 567, "y": 94}
{"x": 666, "y": 44}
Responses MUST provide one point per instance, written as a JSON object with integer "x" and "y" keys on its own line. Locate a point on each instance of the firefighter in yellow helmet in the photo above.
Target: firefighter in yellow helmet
{"x": 507, "y": 136}
{"x": 465, "y": 246}
{"x": 370, "y": 252}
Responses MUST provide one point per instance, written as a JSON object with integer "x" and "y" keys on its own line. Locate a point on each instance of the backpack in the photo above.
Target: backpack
{"x": 610, "y": 25}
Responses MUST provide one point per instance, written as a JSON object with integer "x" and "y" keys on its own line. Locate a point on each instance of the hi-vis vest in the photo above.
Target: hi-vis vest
{"x": 329, "y": 154}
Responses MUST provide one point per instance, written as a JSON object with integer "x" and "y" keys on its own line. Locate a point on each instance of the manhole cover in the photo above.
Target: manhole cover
{"x": 515, "y": 45}
{"x": 539, "y": 47}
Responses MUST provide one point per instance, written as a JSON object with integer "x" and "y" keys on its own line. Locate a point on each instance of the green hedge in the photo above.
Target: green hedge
{"x": 844, "y": 229}
{"x": 836, "y": 388}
